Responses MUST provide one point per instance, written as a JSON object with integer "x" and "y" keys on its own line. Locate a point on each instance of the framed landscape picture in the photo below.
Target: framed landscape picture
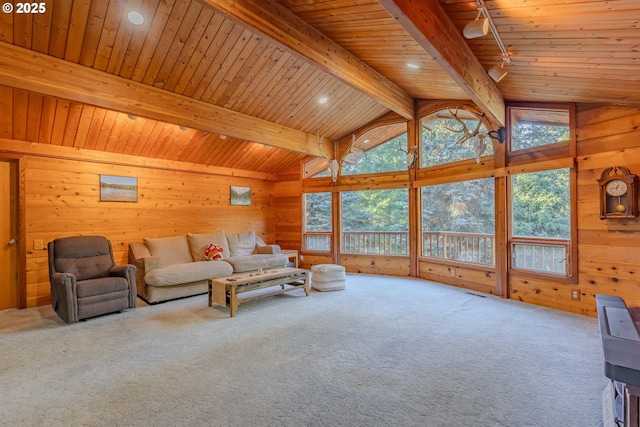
{"x": 240, "y": 195}
{"x": 118, "y": 188}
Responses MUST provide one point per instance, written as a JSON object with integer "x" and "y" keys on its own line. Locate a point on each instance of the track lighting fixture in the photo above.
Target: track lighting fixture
{"x": 497, "y": 72}
{"x": 474, "y": 29}
{"x": 477, "y": 28}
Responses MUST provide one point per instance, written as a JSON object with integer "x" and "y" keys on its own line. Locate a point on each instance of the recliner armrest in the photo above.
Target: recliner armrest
{"x": 123, "y": 270}
{"x": 63, "y": 279}
{"x": 128, "y": 271}
{"x": 63, "y": 296}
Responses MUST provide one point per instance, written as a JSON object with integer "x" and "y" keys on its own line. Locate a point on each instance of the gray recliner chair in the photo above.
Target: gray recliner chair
{"x": 85, "y": 281}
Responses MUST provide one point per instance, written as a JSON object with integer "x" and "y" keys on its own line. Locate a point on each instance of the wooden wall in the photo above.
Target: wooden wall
{"x": 63, "y": 199}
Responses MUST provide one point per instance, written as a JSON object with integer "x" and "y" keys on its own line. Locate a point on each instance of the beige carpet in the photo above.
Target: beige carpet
{"x": 383, "y": 352}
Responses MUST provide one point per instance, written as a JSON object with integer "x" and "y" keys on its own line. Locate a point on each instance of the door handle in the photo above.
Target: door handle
{"x": 12, "y": 242}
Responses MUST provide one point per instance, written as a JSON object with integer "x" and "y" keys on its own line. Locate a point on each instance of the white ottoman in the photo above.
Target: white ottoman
{"x": 328, "y": 277}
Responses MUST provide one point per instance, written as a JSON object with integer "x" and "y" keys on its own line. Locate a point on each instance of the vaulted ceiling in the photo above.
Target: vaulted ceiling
{"x": 237, "y": 83}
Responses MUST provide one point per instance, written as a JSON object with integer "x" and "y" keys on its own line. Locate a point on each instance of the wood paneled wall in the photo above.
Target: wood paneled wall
{"x": 608, "y": 250}
{"x": 288, "y": 202}
{"x": 475, "y": 278}
{"x": 63, "y": 199}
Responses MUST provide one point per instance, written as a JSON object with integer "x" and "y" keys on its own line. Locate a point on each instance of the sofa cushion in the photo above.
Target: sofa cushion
{"x": 242, "y": 244}
{"x": 170, "y": 250}
{"x": 179, "y": 274}
{"x": 199, "y": 242}
{"x": 246, "y": 263}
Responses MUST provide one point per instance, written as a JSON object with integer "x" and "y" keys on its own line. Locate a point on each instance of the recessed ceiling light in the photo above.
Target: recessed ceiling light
{"x": 323, "y": 100}
{"x": 366, "y": 141}
{"x": 412, "y": 65}
{"x": 135, "y": 17}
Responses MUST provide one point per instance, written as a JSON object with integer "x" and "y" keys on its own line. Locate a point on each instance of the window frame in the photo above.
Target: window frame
{"x": 341, "y": 232}
{"x": 305, "y": 233}
{"x": 571, "y": 244}
{"x": 479, "y": 236}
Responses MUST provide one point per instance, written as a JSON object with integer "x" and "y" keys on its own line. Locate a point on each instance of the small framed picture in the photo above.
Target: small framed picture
{"x": 240, "y": 195}
{"x": 118, "y": 188}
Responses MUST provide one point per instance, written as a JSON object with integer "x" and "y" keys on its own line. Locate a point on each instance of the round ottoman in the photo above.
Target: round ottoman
{"x": 328, "y": 277}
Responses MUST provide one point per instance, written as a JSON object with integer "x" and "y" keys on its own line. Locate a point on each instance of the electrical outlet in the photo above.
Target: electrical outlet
{"x": 38, "y": 245}
{"x": 575, "y": 294}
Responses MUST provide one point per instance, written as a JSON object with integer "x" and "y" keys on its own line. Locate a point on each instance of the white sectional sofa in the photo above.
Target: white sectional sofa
{"x": 175, "y": 267}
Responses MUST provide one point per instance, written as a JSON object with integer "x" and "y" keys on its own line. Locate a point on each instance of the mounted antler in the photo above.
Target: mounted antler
{"x": 334, "y": 166}
{"x": 412, "y": 155}
{"x": 477, "y": 137}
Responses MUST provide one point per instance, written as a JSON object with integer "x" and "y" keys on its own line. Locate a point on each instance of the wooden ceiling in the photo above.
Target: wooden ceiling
{"x": 245, "y": 77}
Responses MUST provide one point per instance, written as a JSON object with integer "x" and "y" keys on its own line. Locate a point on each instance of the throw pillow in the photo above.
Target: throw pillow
{"x": 198, "y": 243}
{"x": 213, "y": 252}
{"x": 242, "y": 244}
{"x": 169, "y": 250}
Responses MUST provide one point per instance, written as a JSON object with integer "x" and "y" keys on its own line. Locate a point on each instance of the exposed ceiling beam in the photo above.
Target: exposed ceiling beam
{"x": 428, "y": 24}
{"x": 35, "y": 72}
{"x": 284, "y": 27}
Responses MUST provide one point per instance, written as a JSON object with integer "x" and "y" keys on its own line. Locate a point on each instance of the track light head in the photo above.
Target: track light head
{"x": 476, "y": 28}
{"x": 497, "y": 73}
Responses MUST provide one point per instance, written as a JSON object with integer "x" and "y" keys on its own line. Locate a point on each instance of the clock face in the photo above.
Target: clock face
{"x": 616, "y": 188}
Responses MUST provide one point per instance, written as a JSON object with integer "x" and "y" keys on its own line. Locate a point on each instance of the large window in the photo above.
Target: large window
{"x": 375, "y": 222}
{"x": 541, "y": 221}
{"x": 458, "y": 221}
{"x": 317, "y": 222}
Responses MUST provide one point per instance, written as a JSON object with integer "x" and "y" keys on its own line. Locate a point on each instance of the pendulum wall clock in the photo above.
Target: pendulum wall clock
{"x": 618, "y": 193}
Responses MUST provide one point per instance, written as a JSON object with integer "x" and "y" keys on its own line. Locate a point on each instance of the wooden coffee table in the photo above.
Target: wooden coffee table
{"x": 224, "y": 290}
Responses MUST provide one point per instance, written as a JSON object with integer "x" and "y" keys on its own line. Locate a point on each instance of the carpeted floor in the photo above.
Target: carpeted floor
{"x": 384, "y": 352}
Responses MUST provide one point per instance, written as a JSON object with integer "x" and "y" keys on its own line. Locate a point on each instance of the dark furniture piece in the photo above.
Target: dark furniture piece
{"x": 85, "y": 281}
{"x": 619, "y": 330}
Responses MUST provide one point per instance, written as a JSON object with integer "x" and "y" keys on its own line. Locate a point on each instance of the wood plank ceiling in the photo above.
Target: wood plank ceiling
{"x": 562, "y": 51}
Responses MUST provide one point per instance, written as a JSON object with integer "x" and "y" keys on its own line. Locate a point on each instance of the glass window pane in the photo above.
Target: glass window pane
{"x": 317, "y": 222}
{"x": 375, "y": 222}
{"x": 458, "y": 221}
{"x": 542, "y": 204}
{"x": 534, "y": 128}
{"x": 386, "y": 157}
{"x": 440, "y": 136}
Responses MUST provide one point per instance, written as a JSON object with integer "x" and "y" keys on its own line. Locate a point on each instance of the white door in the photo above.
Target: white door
{"x": 8, "y": 247}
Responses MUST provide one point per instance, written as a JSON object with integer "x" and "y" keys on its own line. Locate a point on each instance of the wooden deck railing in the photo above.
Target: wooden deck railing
{"x": 317, "y": 241}
{"x": 375, "y": 242}
{"x": 474, "y": 248}
{"x": 541, "y": 255}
